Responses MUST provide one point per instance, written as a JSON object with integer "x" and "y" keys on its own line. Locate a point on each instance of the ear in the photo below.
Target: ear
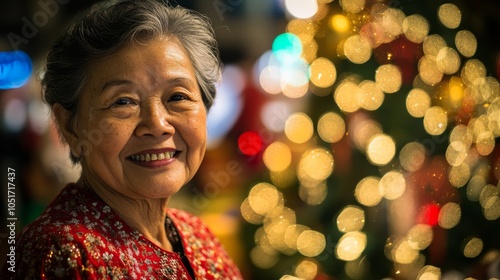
{"x": 67, "y": 128}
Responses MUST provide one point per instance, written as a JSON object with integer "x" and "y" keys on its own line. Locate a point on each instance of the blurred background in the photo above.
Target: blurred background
{"x": 353, "y": 139}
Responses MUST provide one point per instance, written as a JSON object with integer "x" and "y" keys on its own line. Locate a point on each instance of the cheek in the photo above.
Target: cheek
{"x": 197, "y": 131}
{"x": 111, "y": 137}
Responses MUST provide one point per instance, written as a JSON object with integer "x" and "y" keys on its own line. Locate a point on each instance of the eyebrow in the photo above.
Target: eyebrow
{"x": 112, "y": 83}
{"x": 173, "y": 81}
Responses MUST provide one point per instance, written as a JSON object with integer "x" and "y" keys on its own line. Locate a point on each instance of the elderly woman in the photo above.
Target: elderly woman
{"x": 129, "y": 86}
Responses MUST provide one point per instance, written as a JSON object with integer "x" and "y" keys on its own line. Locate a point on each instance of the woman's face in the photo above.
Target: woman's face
{"x": 142, "y": 122}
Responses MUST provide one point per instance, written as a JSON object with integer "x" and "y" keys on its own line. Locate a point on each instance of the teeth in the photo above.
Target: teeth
{"x": 153, "y": 157}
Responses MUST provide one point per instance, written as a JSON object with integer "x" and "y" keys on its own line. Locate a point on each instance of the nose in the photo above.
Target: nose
{"x": 155, "y": 121}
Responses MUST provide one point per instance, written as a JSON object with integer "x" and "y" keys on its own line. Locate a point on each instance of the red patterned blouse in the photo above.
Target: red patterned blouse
{"x": 80, "y": 237}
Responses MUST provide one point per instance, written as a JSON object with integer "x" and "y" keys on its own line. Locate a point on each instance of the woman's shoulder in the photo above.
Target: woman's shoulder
{"x": 201, "y": 245}
{"x": 76, "y": 231}
{"x": 183, "y": 216}
{"x": 189, "y": 224}
{"x": 72, "y": 217}
{"x": 73, "y": 207}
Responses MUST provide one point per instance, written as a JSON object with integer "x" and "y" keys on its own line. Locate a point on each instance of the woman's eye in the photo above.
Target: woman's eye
{"x": 177, "y": 97}
{"x": 122, "y": 102}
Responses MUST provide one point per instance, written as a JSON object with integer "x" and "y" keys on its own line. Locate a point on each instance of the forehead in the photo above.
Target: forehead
{"x": 155, "y": 60}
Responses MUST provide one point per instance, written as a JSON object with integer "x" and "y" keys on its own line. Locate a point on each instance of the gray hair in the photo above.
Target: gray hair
{"x": 110, "y": 28}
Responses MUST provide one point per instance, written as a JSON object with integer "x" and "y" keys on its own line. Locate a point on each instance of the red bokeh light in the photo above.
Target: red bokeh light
{"x": 429, "y": 214}
{"x": 249, "y": 143}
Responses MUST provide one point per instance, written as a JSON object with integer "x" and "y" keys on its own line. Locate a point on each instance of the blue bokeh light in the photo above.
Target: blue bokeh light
{"x": 287, "y": 47}
{"x": 15, "y": 69}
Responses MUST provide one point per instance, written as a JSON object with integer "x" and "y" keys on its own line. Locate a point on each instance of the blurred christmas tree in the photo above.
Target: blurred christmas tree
{"x": 385, "y": 162}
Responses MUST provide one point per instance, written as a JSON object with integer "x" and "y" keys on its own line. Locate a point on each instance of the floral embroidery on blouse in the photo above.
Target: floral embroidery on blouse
{"x": 80, "y": 237}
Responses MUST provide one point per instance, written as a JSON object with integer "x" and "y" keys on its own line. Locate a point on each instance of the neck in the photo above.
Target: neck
{"x": 147, "y": 216}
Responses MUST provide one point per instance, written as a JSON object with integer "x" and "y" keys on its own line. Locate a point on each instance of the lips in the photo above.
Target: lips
{"x": 153, "y": 156}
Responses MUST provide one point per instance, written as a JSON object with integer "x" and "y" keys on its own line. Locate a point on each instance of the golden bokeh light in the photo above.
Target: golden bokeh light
{"x": 435, "y": 120}
{"x": 277, "y": 156}
{"x": 340, "y": 23}
{"x": 491, "y": 256}
{"x": 449, "y": 15}
{"x": 459, "y": 175}
{"x": 311, "y": 243}
{"x": 403, "y": 252}
{"x": 270, "y": 79}
{"x": 352, "y": 6}
{"x": 473, "y": 72}
{"x": 415, "y": 28}
{"x": 263, "y": 198}
{"x": 420, "y": 236}
{"x": 316, "y": 164}
{"x": 294, "y": 90}
{"x": 412, "y": 156}
{"x": 410, "y": 271}
{"x": 417, "y": 102}
{"x": 275, "y": 226}
{"x": 473, "y": 247}
{"x": 346, "y": 96}
{"x": 292, "y": 232}
{"x": 305, "y": 29}
{"x": 388, "y": 78}
{"x": 351, "y": 218}
{"x": 487, "y": 193}
{"x": 456, "y": 153}
{"x": 260, "y": 237}
{"x": 309, "y": 50}
{"x": 491, "y": 208}
{"x": 428, "y": 70}
{"x": 261, "y": 259}
{"x": 493, "y": 115}
{"x": 357, "y": 268}
{"x": 371, "y": 96}
{"x": 313, "y": 195}
{"x": 367, "y": 191}
{"x": 475, "y": 187}
{"x": 357, "y": 49}
{"x": 489, "y": 88}
{"x": 392, "y": 185}
{"x": 283, "y": 179}
{"x": 448, "y": 61}
{"x": 306, "y": 270}
{"x": 391, "y": 22}
{"x": 351, "y": 245}
{"x": 466, "y": 43}
{"x": 289, "y": 277}
{"x": 461, "y": 134}
{"x": 322, "y": 72}
{"x": 449, "y": 215}
{"x": 249, "y": 214}
{"x": 485, "y": 142}
{"x": 429, "y": 272}
{"x": 477, "y": 126}
{"x": 362, "y": 131}
{"x": 455, "y": 90}
{"x": 433, "y": 44}
{"x": 299, "y": 128}
{"x": 331, "y": 127}
{"x": 381, "y": 149}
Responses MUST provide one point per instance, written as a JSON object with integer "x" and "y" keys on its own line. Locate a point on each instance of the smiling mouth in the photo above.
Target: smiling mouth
{"x": 153, "y": 157}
